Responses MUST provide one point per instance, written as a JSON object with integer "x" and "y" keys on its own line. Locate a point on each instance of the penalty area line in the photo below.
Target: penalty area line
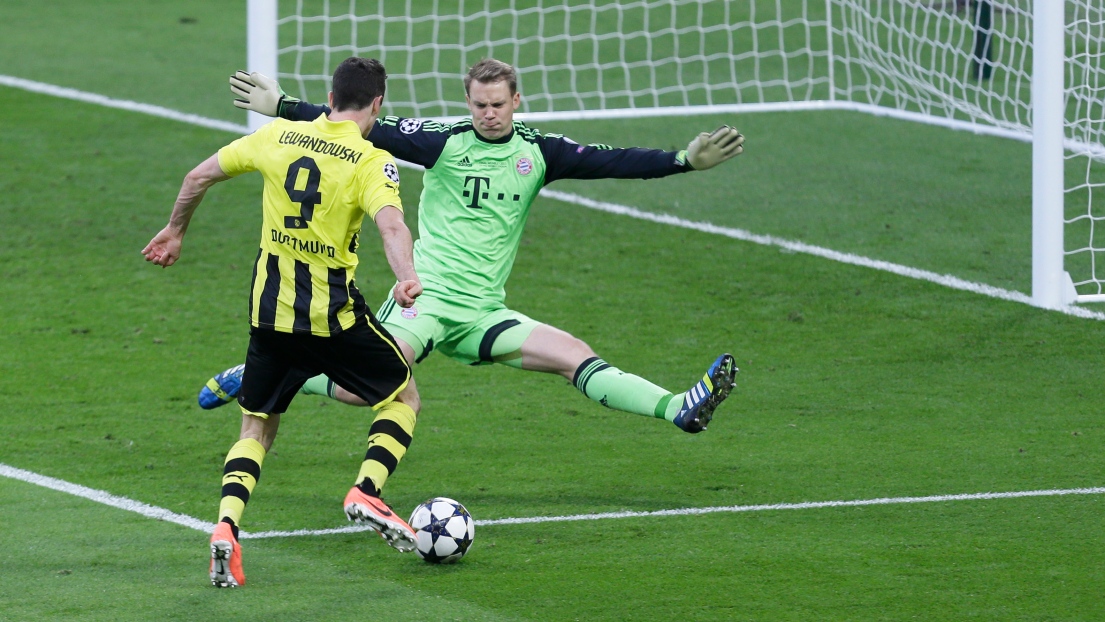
{"x": 155, "y": 512}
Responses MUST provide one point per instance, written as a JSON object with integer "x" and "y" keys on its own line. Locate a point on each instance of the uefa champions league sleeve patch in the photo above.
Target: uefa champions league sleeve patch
{"x": 410, "y": 126}
{"x": 391, "y": 172}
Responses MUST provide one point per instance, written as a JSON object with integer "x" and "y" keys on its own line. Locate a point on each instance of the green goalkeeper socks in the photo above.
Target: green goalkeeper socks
{"x": 319, "y": 385}
{"x": 616, "y": 389}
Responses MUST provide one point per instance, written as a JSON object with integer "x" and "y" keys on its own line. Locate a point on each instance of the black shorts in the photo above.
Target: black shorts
{"x": 363, "y": 360}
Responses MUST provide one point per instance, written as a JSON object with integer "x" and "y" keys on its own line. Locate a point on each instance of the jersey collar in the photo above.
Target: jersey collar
{"x": 324, "y": 124}
{"x": 497, "y": 141}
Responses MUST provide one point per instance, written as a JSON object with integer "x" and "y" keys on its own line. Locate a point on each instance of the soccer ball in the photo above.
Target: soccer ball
{"x": 444, "y": 530}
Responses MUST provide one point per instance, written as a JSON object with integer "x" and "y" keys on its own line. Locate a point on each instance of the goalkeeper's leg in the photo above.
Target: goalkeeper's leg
{"x": 552, "y": 350}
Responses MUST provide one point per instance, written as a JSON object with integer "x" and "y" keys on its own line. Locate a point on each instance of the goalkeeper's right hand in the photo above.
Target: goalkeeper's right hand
{"x": 259, "y": 93}
{"x": 707, "y": 150}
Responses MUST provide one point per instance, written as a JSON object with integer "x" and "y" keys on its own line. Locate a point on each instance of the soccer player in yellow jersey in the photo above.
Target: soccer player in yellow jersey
{"x": 306, "y": 315}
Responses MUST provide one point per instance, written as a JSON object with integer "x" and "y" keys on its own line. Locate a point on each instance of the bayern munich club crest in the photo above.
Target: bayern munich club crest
{"x": 410, "y": 126}
{"x": 391, "y": 172}
{"x": 524, "y": 166}
{"x": 410, "y": 313}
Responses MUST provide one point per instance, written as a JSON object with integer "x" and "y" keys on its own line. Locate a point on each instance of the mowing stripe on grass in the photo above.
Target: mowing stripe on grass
{"x": 123, "y": 503}
{"x": 946, "y": 280}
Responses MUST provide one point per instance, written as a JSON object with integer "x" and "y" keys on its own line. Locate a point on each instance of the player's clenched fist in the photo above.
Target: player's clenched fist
{"x": 707, "y": 150}
{"x": 406, "y": 291}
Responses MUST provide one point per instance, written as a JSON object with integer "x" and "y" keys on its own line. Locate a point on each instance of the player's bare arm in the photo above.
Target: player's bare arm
{"x": 164, "y": 248}
{"x": 399, "y": 249}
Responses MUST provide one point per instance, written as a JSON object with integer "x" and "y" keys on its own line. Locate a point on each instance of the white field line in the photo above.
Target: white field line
{"x": 946, "y": 280}
{"x": 809, "y": 505}
{"x": 150, "y": 511}
{"x": 106, "y": 498}
{"x": 122, "y": 104}
{"x": 613, "y": 208}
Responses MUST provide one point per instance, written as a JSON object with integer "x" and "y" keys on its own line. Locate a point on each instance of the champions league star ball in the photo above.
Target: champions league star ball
{"x": 444, "y": 530}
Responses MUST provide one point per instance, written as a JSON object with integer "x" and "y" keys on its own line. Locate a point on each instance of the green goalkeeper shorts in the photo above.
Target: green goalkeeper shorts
{"x": 474, "y": 336}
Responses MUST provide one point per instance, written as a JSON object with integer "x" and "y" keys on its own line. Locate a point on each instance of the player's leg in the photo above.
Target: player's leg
{"x": 323, "y": 385}
{"x": 370, "y": 363}
{"x": 510, "y": 338}
{"x": 267, "y": 389}
{"x": 222, "y": 389}
{"x": 241, "y": 470}
{"x": 552, "y": 350}
{"x": 389, "y": 437}
{"x": 549, "y": 349}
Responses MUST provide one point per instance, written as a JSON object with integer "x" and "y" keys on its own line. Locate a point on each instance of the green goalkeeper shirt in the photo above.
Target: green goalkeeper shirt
{"x": 477, "y": 193}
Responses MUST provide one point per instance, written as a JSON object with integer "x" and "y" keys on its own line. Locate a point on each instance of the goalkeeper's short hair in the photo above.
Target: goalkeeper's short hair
{"x": 490, "y": 70}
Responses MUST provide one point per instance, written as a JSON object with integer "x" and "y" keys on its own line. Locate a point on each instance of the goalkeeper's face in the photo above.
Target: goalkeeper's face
{"x": 492, "y": 106}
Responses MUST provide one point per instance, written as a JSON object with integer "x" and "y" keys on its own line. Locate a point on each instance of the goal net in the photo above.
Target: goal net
{"x": 965, "y": 64}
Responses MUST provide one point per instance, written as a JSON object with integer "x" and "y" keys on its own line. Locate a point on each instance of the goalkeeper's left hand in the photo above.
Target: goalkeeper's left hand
{"x": 707, "y": 150}
{"x": 259, "y": 93}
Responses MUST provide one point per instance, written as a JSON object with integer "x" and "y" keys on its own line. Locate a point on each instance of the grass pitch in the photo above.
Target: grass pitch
{"x": 854, "y": 384}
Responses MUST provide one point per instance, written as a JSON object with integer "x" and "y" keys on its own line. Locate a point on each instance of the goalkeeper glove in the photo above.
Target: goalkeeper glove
{"x": 259, "y": 93}
{"x": 707, "y": 150}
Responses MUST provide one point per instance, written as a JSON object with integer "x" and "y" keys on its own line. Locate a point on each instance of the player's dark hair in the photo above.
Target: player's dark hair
{"x": 358, "y": 81}
{"x": 490, "y": 70}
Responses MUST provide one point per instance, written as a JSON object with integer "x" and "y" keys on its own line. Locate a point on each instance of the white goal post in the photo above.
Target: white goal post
{"x": 1029, "y": 70}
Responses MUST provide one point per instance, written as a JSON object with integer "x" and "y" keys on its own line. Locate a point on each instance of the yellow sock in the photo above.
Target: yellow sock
{"x": 388, "y": 439}
{"x": 241, "y": 471}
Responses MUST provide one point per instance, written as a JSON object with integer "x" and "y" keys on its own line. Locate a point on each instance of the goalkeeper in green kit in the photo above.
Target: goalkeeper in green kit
{"x": 482, "y": 176}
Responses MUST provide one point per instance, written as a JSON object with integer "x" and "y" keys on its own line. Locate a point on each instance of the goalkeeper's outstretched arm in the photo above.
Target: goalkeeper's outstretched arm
{"x": 260, "y": 93}
{"x": 565, "y": 159}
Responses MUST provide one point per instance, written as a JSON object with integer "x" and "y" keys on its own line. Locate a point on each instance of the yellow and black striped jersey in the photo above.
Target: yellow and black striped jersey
{"x": 321, "y": 178}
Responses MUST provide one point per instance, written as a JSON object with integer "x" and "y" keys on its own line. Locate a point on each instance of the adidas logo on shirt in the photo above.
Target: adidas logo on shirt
{"x": 465, "y": 162}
